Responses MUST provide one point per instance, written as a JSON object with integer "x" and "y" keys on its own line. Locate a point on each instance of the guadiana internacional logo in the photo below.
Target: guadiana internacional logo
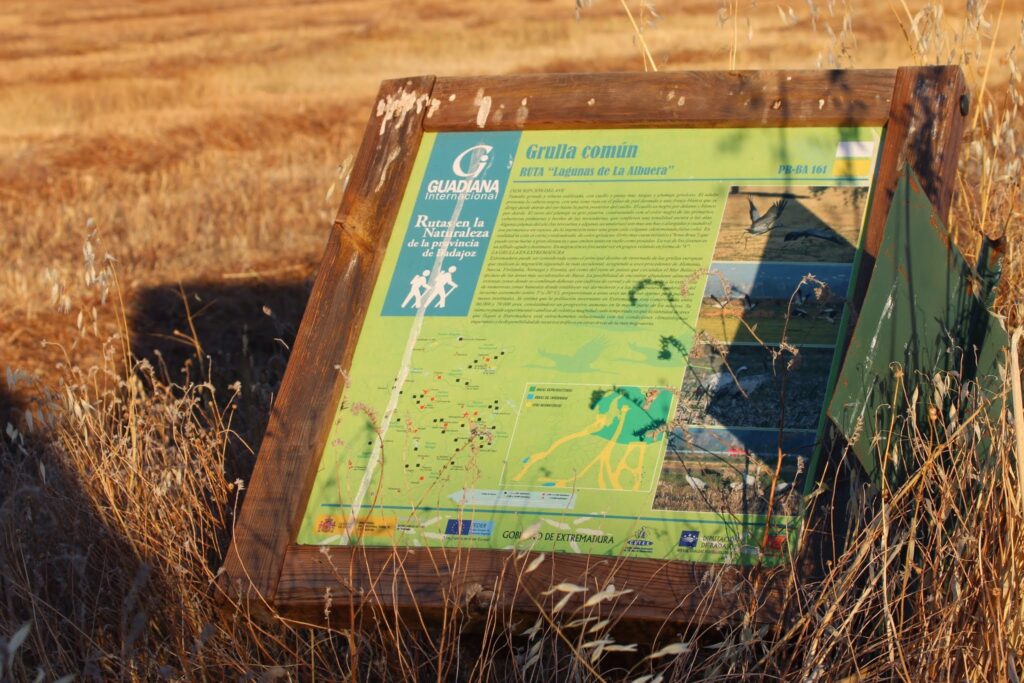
{"x": 478, "y": 159}
{"x": 426, "y": 289}
{"x": 450, "y": 225}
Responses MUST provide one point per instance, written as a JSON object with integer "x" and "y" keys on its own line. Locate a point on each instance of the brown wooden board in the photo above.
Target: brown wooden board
{"x": 922, "y": 112}
{"x": 312, "y": 383}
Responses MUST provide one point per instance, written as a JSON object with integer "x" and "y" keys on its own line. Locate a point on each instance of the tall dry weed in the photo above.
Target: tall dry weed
{"x": 119, "y": 481}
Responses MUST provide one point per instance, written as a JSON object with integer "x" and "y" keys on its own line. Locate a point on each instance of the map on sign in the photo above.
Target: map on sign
{"x": 612, "y": 446}
{"x": 613, "y": 342}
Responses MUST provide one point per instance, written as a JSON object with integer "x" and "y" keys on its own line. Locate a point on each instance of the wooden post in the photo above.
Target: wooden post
{"x": 302, "y": 413}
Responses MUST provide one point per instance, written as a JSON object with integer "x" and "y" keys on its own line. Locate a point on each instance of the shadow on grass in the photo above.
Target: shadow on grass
{"x": 8, "y": 404}
{"x": 223, "y": 333}
{"x": 94, "y": 587}
{"x": 77, "y": 582}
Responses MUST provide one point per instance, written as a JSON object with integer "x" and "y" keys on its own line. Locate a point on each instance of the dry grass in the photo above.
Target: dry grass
{"x": 194, "y": 143}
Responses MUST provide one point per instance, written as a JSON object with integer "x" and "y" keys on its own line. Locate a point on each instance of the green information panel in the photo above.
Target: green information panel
{"x": 927, "y": 313}
{"x": 617, "y": 342}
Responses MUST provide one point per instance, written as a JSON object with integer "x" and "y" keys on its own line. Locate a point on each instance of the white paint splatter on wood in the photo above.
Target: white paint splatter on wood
{"x": 396, "y": 107}
{"x": 522, "y": 113}
{"x": 384, "y": 171}
{"x": 435, "y": 104}
{"x": 483, "y": 105}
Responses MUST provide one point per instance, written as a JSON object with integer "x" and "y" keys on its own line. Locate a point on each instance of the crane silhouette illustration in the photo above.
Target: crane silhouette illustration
{"x": 580, "y": 361}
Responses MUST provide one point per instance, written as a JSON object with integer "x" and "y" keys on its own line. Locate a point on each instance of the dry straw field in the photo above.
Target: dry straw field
{"x": 168, "y": 174}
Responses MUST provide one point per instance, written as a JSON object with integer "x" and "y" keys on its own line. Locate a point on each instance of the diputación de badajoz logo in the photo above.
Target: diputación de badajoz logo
{"x": 688, "y": 538}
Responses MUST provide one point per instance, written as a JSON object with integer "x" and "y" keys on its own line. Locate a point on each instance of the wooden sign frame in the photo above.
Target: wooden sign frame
{"x": 923, "y": 111}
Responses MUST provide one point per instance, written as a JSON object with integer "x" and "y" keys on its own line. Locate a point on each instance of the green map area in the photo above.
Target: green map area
{"x": 561, "y": 350}
{"x": 616, "y": 446}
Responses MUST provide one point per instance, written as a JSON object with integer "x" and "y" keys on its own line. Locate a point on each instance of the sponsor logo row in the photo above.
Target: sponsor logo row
{"x": 640, "y": 543}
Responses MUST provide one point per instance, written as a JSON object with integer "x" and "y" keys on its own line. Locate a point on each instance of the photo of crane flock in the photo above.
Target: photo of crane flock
{"x": 755, "y": 385}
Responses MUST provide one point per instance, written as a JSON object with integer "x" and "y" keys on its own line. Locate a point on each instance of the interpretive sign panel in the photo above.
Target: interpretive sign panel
{"x": 582, "y": 328}
{"x": 576, "y": 343}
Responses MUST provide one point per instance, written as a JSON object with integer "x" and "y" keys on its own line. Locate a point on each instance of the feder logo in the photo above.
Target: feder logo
{"x": 468, "y": 527}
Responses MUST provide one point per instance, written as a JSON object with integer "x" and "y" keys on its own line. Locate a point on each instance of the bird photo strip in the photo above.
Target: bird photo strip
{"x": 752, "y": 399}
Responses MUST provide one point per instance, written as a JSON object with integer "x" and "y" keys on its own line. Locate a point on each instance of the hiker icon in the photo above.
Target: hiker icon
{"x": 439, "y": 288}
{"x": 417, "y": 287}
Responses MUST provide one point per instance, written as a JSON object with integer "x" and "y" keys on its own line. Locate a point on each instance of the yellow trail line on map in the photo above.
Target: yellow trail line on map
{"x": 637, "y": 470}
{"x": 598, "y": 424}
{"x": 607, "y": 478}
{"x": 604, "y": 458}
